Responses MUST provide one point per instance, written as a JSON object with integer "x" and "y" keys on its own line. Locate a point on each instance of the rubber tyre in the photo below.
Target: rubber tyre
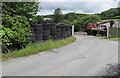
{"x": 38, "y": 28}
{"x": 89, "y": 32}
{"x": 94, "y": 33}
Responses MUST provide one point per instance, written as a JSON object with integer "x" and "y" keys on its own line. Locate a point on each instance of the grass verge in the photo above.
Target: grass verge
{"x": 114, "y": 38}
{"x": 101, "y": 37}
{"x": 38, "y": 47}
{"x": 116, "y": 20}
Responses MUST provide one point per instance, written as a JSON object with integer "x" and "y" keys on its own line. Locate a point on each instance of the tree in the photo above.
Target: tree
{"x": 82, "y": 22}
{"x": 16, "y": 24}
{"x": 90, "y": 19}
{"x": 110, "y": 13}
{"x": 36, "y": 19}
{"x": 16, "y": 32}
{"x": 57, "y": 15}
{"x": 28, "y": 9}
{"x": 71, "y": 18}
{"x": 77, "y": 25}
{"x": 65, "y": 21}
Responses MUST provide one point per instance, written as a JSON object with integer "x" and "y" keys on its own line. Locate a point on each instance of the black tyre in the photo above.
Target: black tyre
{"x": 38, "y": 25}
{"x": 103, "y": 33}
{"x": 46, "y": 31}
{"x": 40, "y": 35}
{"x": 45, "y": 38}
{"x": 39, "y": 38}
{"x": 38, "y": 32}
{"x": 33, "y": 39}
{"x": 38, "y": 28}
{"x": 94, "y": 33}
{"x": 32, "y": 28}
{"x": 89, "y": 32}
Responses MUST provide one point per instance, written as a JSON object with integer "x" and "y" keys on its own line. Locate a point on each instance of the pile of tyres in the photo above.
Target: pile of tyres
{"x": 47, "y": 30}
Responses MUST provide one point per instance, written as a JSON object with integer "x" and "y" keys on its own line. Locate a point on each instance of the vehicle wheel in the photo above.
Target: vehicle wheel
{"x": 94, "y": 33}
{"x": 102, "y": 33}
{"x": 89, "y": 32}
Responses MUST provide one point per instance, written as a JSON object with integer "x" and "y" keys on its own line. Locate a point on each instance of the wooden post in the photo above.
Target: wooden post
{"x": 73, "y": 30}
{"x": 107, "y": 31}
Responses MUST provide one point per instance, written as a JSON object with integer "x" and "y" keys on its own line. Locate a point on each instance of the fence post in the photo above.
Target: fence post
{"x": 72, "y": 30}
{"x": 107, "y": 31}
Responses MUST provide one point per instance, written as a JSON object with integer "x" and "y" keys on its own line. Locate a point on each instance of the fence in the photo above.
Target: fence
{"x": 114, "y": 32}
{"x": 45, "y": 31}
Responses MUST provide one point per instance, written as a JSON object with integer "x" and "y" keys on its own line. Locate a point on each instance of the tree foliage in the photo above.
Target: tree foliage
{"x": 110, "y": 13}
{"x": 77, "y": 25}
{"x": 15, "y": 26}
{"x": 90, "y": 19}
{"x": 36, "y": 19}
{"x": 16, "y": 32}
{"x": 57, "y": 15}
{"x": 65, "y": 21}
{"x": 82, "y": 22}
{"x": 27, "y": 9}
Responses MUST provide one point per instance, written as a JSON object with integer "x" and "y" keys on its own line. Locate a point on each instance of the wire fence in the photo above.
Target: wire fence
{"x": 114, "y": 32}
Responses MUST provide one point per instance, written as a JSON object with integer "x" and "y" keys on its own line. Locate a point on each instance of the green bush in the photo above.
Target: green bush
{"x": 90, "y": 19}
{"x": 77, "y": 25}
{"x": 15, "y": 32}
{"x": 36, "y": 19}
{"x": 108, "y": 14}
{"x": 82, "y": 22}
{"x": 57, "y": 15}
{"x": 65, "y": 21}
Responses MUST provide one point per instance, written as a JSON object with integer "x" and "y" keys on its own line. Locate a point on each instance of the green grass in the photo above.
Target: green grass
{"x": 101, "y": 37}
{"x": 116, "y": 17}
{"x": 117, "y": 20}
{"x": 114, "y": 38}
{"x": 38, "y": 47}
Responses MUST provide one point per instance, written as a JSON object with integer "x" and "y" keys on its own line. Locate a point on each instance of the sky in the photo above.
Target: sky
{"x": 77, "y": 6}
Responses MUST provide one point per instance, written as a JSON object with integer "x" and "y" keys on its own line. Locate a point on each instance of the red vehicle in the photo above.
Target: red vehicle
{"x": 100, "y": 28}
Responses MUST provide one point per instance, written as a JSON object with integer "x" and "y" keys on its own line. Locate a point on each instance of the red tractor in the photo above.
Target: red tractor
{"x": 100, "y": 28}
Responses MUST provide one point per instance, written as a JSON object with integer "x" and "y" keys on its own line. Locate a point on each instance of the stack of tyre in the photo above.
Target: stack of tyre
{"x": 46, "y": 31}
{"x": 33, "y": 38}
{"x": 63, "y": 31}
{"x": 58, "y": 31}
{"x": 38, "y": 28}
{"x": 68, "y": 30}
{"x": 53, "y": 31}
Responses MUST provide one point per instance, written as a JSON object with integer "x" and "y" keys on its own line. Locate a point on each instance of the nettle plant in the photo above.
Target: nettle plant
{"x": 15, "y": 32}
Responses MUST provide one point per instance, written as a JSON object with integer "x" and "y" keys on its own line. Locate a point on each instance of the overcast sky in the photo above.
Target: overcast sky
{"x": 78, "y": 6}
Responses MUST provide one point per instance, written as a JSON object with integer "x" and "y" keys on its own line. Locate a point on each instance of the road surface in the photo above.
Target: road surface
{"x": 117, "y": 25}
{"x": 87, "y": 56}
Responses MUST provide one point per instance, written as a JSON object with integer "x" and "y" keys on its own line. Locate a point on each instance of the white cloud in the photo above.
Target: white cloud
{"x": 78, "y": 0}
{"x": 78, "y": 7}
{"x": 47, "y": 12}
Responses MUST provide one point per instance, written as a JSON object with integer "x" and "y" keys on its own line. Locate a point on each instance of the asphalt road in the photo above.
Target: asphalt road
{"x": 87, "y": 56}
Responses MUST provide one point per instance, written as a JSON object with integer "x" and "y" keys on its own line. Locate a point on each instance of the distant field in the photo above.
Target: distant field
{"x": 117, "y": 20}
